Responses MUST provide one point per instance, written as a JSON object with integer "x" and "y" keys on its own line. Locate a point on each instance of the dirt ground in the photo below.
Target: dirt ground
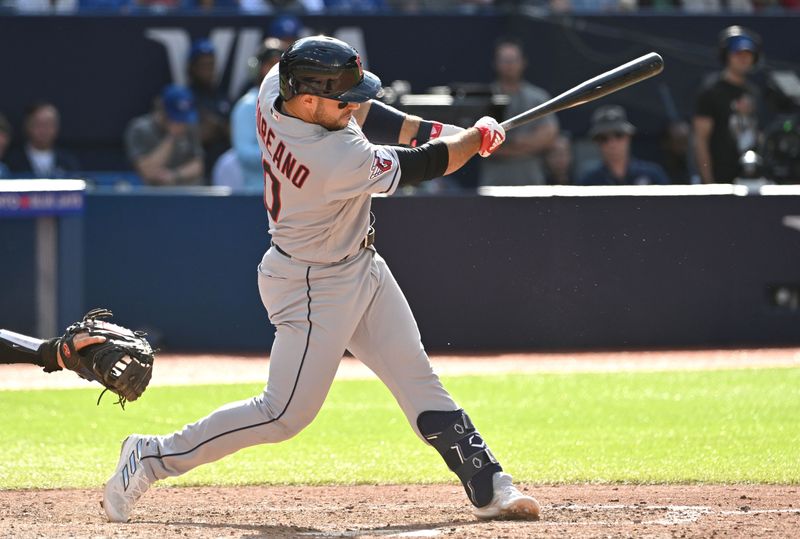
{"x": 409, "y": 511}
{"x": 364, "y": 511}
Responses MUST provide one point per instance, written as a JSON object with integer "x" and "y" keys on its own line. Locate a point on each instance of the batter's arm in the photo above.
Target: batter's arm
{"x": 383, "y": 124}
{"x": 461, "y": 148}
{"x": 446, "y": 155}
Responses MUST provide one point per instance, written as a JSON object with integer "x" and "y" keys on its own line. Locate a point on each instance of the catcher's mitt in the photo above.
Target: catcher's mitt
{"x": 123, "y": 363}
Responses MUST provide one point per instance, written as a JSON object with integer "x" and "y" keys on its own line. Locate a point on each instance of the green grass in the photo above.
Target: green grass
{"x": 717, "y": 426}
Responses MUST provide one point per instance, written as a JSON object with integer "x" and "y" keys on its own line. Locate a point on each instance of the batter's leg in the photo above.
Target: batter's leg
{"x": 388, "y": 341}
{"x": 315, "y": 311}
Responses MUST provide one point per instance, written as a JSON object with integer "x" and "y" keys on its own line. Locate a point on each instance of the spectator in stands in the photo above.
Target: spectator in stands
{"x": 45, "y": 7}
{"x": 355, "y": 6}
{"x": 592, "y": 6}
{"x": 518, "y": 160}
{"x": 211, "y": 6}
{"x": 675, "y": 152}
{"x": 726, "y": 119}
{"x": 164, "y": 145}
{"x": 159, "y": 6}
{"x": 612, "y": 132}
{"x": 558, "y": 162}
{"x": 5, "y": 140}
{"x": 108, "y": 6}
{"x": 247, "y": 153}
{"x": 213, "y": 106}
{"x": 40, "y": 158}
{"x": 287, "y": 28}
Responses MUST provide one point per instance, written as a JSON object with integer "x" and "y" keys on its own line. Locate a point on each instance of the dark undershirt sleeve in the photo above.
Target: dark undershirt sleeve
{"x": 423, "y": 163}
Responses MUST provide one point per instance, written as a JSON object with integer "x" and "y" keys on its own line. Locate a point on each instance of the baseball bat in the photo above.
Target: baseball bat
{"x": 606, "y": 83}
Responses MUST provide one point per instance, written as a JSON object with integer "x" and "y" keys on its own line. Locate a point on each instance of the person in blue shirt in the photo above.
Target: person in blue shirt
{"x": 243, "y": 137}
{"x": 612, "y": 132}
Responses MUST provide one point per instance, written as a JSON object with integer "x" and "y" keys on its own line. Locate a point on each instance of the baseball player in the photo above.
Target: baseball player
{"x": 326, "y": 148}
{"x": 119, "y": 359}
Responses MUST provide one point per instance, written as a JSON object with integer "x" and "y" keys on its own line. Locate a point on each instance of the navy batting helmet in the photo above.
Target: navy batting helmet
{"x": 327, "y": 67}
{"x": 738, "y": 38}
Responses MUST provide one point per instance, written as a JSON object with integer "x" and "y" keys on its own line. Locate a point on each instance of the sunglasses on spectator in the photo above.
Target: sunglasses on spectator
{"x": 608, "y": 136}
{"x": 343, "y": 105}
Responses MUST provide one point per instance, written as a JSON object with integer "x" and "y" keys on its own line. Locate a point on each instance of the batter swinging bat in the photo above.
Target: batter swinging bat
{"x": 618, "y": 78}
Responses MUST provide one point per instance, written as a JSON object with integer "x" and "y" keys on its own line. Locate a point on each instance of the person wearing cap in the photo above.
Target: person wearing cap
{"x": 287, "y": 28}
{"x": 726, "y": 117}
{"x": 164, "y": 145}
{"x": 612, "y": 132}
{"x": 213, "y": 106}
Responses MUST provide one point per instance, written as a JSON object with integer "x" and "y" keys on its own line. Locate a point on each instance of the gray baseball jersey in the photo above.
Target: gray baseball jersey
{"x": 324, "y": 293}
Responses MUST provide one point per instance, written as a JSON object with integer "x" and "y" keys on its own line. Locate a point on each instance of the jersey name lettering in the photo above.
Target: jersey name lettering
{"x": 283, "y": 159}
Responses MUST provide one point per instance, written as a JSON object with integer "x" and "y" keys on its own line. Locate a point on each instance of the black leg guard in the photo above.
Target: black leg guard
{"x": 463, "y": 450}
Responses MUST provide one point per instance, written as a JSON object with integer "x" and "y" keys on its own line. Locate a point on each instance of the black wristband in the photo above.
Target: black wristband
{"x": 48, "y": 354}
{"x": 426, "y": 131}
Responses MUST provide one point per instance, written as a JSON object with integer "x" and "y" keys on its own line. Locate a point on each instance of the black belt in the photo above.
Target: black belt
{"x": 368, "y": 240}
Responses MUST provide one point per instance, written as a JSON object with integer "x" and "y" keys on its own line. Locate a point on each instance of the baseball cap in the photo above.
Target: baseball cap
{"x": 200, "y": 47}
{"x": 742, "y": 43}
{"x": 285, "y": 27}
{"x": 610, "y": 119}
{"x": 179, "y": 104}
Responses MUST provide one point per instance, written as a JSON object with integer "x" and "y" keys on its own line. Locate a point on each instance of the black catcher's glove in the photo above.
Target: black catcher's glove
{"x": 123, "y": 363}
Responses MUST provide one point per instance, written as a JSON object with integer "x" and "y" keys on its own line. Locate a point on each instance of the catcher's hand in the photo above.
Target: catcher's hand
{"x": 118, "y": 358}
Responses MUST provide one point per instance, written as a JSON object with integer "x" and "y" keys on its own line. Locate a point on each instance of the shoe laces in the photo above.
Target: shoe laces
{"x": 504, "y": 487}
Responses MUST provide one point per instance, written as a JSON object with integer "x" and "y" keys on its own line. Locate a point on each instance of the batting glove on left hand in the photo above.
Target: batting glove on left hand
{"x": 492, "y": 135}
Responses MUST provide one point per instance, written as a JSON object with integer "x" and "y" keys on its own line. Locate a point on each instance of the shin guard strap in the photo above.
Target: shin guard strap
{"x": 463, "y": 450}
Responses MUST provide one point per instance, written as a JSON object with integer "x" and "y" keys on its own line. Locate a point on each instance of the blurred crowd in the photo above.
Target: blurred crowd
{"x": 196, "y": 135}
{"x": 65, "y": 7}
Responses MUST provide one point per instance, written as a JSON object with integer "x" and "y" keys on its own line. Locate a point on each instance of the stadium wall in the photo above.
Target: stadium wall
{"x": 479, "y": 272}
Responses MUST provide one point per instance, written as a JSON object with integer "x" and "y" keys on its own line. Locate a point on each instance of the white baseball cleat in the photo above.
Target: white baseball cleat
{"x": 128, "y": 483}
{"x": 508, "y": 502}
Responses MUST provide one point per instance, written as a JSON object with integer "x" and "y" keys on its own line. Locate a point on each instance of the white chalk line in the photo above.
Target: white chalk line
{"x": 676, "y": 515}
{"x": 367, "y": 531}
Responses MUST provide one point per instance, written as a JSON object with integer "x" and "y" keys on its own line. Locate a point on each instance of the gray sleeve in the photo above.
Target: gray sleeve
{"x": 139, "y": 140}
{"x": 531, "y": 97}
{"x": 362, "y": 168}
{"x": 197, "y": 145}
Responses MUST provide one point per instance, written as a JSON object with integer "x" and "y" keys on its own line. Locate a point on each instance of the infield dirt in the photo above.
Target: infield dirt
{"x": 365, "y": 511}
{"x": 409, "y": 511}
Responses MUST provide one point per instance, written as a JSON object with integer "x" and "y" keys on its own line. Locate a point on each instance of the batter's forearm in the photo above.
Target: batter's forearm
{"x": 409, "y": 130}
{"x": 461, "y": 148}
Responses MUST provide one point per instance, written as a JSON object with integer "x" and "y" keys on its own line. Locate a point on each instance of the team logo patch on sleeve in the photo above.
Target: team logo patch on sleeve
{"x": 381, "y": 164}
